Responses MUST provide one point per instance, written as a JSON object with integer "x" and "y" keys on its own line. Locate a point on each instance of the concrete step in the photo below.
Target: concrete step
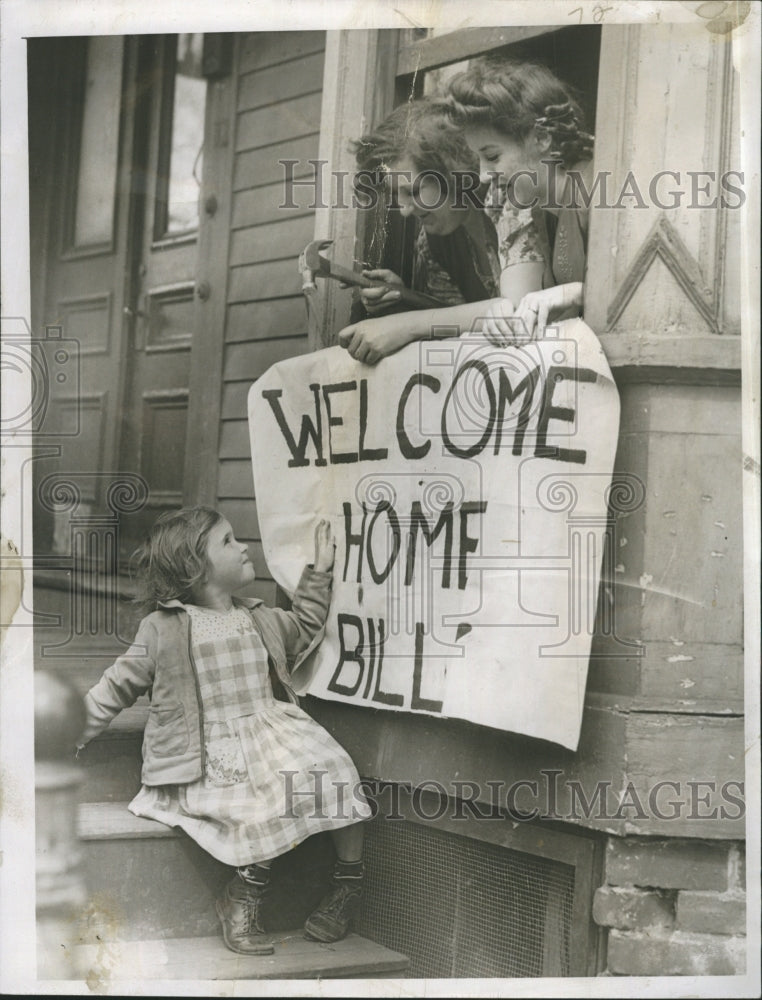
{"x": 146, "y": 880}
{"x": 207, "y": 958}
{"x": 111, "y": 763}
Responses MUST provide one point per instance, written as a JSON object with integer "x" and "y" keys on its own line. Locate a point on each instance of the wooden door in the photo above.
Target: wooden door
{"x": 117, "y": 126}
{"x": 81, "y": 143}
{"x": 171, "y": 102}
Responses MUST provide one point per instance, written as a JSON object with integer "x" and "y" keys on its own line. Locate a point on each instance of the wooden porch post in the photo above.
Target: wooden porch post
{"x": 59, "y": 718}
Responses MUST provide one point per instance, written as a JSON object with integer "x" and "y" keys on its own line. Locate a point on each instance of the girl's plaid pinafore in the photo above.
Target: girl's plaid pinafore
{"x": 273, "y": 775}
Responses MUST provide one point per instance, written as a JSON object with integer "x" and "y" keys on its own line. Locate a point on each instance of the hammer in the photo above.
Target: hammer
{"x": 313, "y": 264}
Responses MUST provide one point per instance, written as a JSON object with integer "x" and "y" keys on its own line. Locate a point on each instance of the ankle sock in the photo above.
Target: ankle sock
{"x": 254, "y": 874}
{"x": 348, "y": 871}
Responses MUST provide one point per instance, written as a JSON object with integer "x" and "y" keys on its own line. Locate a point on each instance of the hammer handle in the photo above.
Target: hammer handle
{"x": 413, "y": 298}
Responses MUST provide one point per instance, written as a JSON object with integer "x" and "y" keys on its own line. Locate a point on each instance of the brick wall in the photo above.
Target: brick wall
{"x": 673, "y": 907}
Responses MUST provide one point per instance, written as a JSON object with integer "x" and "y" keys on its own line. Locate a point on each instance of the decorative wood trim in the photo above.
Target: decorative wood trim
{"x": 728, "y": 121}
{"x": 708, "y": 248}
{"x": 652, "y": 358}
{"x": 701, "y": 271}
{"x": 617, "y": 75}
{"x": 210, "y": 315}
{"x": 664, "y": 242}
{"x": 169, "y": 397}
{"x": 626, "y": 102}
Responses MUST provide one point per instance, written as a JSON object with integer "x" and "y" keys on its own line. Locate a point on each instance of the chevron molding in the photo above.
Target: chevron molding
{"x": 664, "y": 242}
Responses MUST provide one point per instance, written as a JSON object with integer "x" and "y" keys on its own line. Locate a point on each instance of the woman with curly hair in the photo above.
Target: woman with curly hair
{"x": 527, "y": 130}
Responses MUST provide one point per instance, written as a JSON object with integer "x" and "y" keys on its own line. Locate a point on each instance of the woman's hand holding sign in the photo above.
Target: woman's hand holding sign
{"x": 370, "y": 340}
{"x": 505, "y": 326}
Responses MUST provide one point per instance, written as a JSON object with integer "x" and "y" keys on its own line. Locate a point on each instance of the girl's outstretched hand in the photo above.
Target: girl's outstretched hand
{"x": 325, "y": 546}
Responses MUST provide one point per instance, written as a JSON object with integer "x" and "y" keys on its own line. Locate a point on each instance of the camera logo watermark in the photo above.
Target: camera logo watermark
{"x": 33, "y": 369}
{"x": 43, "y": 403}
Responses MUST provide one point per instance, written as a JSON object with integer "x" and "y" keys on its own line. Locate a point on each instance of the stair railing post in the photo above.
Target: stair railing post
{"x": 59, "y": 717}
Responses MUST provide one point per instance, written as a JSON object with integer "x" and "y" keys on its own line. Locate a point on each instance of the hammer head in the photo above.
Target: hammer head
{"x": 311, "y": 261}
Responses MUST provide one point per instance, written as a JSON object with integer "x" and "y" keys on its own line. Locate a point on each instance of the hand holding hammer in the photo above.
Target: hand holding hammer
{"x": 313, "y": 264}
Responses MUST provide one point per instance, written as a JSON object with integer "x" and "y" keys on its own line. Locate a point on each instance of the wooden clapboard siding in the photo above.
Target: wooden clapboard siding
{"x": 256, "y": 167}
{"x": 260, "y": 49}
{"x": 270, "y": 240}
{"x": 271, "y": 315}
{"x": 280, "y": 79}
{"x": 264, "y": 204}
{"x": 234, "y": 440}
{"x": 272, "y": 279}
{"x": 278, "y": 122}
{"x": 271, "y": 85}
{"x": 243, "y": 514}
{"x": 234, "y": 396}
{"x": 235, "y": 477}
{"x": 247, "y": 361}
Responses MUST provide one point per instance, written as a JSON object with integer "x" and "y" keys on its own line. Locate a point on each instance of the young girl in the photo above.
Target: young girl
{"x": 245, "y": 775}
{"x": 527, "y": 130}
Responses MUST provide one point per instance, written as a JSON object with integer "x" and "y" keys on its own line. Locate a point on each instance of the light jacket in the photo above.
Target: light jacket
{"x": 160, "y": 661}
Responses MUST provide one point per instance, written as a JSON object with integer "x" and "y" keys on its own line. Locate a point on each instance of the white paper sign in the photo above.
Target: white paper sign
{"x": 467, "y": 489}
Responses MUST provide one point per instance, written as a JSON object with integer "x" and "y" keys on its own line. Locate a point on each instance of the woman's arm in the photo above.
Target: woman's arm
{"x": 518, "y": 280}
{"x": 372, "y": 339}
{"x": 537, "y": 309}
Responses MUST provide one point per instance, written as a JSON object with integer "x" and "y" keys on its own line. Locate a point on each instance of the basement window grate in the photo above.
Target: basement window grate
{"x": 460, "y": 907}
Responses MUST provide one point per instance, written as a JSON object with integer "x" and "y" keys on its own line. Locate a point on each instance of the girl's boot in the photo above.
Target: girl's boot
{"x": 332, "y": 919}
{"x": 240, "y": 911}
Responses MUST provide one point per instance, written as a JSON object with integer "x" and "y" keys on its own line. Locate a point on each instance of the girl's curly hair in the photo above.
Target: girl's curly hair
{"x": 171, "y": 562}
{"x": 422, "y": 130}
{"x": 515, "y": 97}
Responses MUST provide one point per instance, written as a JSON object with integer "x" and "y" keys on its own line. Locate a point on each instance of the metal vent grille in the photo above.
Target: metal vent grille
{"x": 459, "y": 907}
